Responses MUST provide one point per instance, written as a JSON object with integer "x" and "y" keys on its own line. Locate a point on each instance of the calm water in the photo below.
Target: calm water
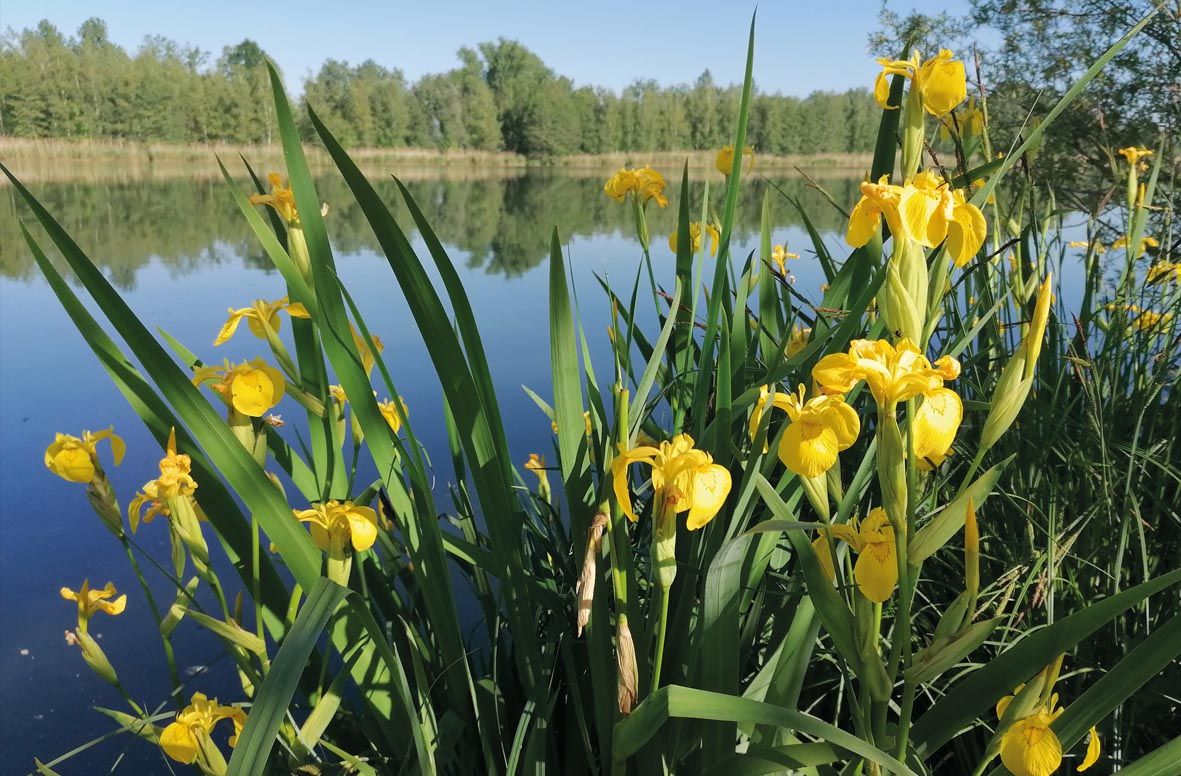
{"x": 181, "y": 255}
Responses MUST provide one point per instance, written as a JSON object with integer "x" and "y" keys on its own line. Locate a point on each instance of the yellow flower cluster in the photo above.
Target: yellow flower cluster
{"x": 260, "y": 316}
{"x": 941, "y": 81}
{"x": 281, "y": 198}
{"x": 896, "y": 373}
{"x": 876, "y": 569}
{"x": 250, "y": 388}
{"x": 336, "y": 525}
{"x": 1029, "y": 747}
{"x": 683, "y": 478}
{"x": 725, "y": 159}
{"x": 820, "y": 428}
{"x": 1164, "y": 270}
{"x": 644, "y": 183}
{"x": 695, "y": 237}
{"x": 75, "y": 459}
{"x": 175, "y": 481}
{"x": 186, "y": 739}
{"x": 924, "y": 209}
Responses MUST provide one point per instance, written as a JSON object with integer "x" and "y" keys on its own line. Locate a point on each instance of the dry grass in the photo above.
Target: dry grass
{"x": 57, "y": 160}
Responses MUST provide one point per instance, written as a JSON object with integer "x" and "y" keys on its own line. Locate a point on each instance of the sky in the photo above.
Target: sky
{"x": 801, "y": 47}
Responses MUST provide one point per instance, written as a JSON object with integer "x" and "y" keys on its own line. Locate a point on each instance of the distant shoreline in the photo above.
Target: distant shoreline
{"x": 54, "y": 160}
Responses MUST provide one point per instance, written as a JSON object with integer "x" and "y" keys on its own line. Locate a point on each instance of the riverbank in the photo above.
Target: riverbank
{"x": 64, "y": 161}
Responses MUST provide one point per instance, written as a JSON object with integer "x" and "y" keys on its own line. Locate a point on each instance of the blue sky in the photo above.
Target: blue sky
{"x": 800, "y": 46}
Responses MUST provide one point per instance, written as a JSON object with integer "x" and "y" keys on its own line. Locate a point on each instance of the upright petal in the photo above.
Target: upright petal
{"x": 966, "y": 233}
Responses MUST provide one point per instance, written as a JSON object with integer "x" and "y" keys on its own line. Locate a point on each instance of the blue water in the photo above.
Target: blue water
{"x": 49, "y": 381}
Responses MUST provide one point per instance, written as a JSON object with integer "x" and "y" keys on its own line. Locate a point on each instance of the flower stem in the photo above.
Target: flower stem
{"x": 661, "y": 631}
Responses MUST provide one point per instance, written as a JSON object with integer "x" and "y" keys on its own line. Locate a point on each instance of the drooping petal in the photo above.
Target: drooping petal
{"x": 231, "y": 325}
{"x": 808, "y": 448}
{"x": 1093, "y": 751}
{"x": 362, "y": 527}
{"x": 966, "y": 233}
{"x": 708, "y": 490}
{"x": 842, "y": 419}
{"x": 179, "y": 743}
{"x": 1030, "y": 748}
{"x": 253, "y": 393}
{"x": 876, "y": 570}
{"x": 864, "y": 222}
{"x": 936, "y": 422}
{"x": 917, "y": 207}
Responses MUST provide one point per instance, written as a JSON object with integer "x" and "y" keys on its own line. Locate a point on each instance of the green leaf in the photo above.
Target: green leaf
{"x": 971, "y": 698}
{"x": 277, "y": 690}
{"x": 939, "y": 529}
{"x": 675, "y": 701}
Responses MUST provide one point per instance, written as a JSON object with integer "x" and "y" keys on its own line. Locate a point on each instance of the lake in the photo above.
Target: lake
{"x": 181, "y": 254}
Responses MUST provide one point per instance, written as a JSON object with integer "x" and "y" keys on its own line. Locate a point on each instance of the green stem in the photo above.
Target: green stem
{"x": 661, "y": 631}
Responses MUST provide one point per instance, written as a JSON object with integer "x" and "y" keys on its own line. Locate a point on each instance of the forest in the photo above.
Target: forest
{"x": 500, "y": 97}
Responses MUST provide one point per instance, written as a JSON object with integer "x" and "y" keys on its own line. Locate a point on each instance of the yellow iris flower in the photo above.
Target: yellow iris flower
{"x": 695, "y": 237}
{"x": 725, "y": 159}
{"x": 1142, "y": 246}
{"x": 95, "y": 600}
{"x": 250, "y": 388}
{"x": 393, "y": 413}
{"x": 340, "y": 522}
{"x": 368, "y": 359}
{"x": 1150, "y": 319}
{"x": 1029, "y": 747}
{"x": 256, "y": 315}
{"x": 820, "y": 428}
{"x": 931, "y": 212}
{"x": 968, "y": 123}
{"x": 645, "y": 183}
{"x": 941, "y": 80}
{"x": 281, "y": 198}
{"x": 684, "y": 477}
{"x": 75, "y": 459}
{"x": 894, "y": 373}
{"x": 1134, "y": 154}
{"x": 798, "y": 340}
{"x": 185, "y": 739}
{"x": 876, "y": 568}
{"x": 1164, "y": 270}
{"x": 175, "y": 481}
{"x": 878, "y": 200}
{"x": 780, "y": 255}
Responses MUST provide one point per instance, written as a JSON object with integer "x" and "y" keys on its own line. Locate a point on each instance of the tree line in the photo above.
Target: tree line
{"x": 500, "y": 97}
